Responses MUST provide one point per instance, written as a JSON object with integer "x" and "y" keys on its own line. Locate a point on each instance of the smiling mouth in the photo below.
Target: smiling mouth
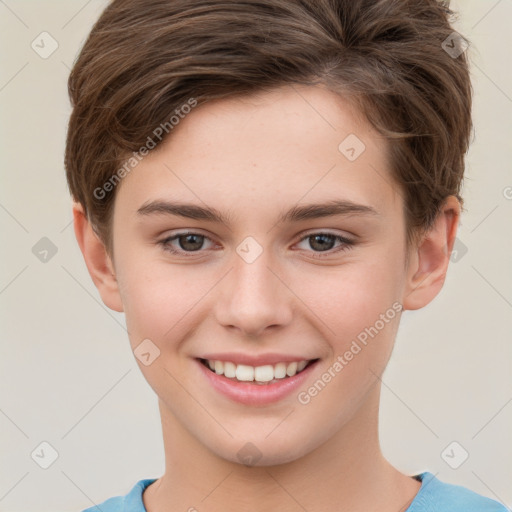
{"x": 262, "y": 375}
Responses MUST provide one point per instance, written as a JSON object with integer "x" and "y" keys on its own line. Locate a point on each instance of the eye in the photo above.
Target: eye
{"x": 325, "y": 242}
{"x": 186, "y": 242}
{"x": 190, "y": 242}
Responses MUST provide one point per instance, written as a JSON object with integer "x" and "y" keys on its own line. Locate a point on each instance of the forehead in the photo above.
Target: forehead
{"x": 281, "y": 146}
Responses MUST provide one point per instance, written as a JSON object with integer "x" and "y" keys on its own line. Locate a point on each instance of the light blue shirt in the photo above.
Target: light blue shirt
{"x": 433, "y": 496}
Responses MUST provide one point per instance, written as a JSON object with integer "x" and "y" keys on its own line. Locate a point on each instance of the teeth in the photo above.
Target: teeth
{"x": 244, "y": 372}
{"x": 291, "y": 369}
{"x": 280, "y": 371}
{"x": 301, "y": 366}
{"x": 263, "y": 374}
{"x": 229, "y": 370}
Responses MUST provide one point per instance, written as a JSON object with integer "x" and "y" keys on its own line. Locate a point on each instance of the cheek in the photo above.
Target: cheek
{"x": 159, "y": 299}
{"x": 360, "y": 311}
{"x": 352, "y": 297}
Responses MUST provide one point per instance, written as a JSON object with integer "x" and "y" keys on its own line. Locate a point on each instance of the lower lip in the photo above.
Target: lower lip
{"x": 255, "y": 394}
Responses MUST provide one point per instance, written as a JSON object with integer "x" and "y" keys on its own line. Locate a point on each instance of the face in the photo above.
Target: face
{"x": 259, "y": 235}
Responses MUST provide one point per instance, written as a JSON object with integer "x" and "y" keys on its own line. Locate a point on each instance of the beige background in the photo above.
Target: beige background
{"x": 69, "y": 378}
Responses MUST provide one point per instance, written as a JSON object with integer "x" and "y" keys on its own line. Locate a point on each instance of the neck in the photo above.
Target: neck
{"x": 347, "y": 472}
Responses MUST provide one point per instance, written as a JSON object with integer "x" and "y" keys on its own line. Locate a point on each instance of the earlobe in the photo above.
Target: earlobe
{"x": 98, "y": 261}
{"x": 429, "y": 262}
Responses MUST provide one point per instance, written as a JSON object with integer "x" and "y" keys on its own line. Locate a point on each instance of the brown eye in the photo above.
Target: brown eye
{"x": 192, "y": 242}
{"x": 326, "y": 243}
{"x": 183, "y": 243}
{"x": 322, "y": 242}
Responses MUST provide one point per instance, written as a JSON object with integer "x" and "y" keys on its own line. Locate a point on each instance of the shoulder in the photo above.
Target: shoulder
{"x": 131, "y": 502}
{"x": 438, "y": 496}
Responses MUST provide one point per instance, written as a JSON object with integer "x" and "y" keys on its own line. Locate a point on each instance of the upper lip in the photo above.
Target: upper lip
{"x": 254, "y": 360}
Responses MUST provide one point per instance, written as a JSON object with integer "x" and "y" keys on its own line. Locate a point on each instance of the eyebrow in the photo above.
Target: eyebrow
{"x": 295, "y": 214}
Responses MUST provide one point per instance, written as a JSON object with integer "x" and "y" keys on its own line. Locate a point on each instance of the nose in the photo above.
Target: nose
{"x": 254, "y": 298}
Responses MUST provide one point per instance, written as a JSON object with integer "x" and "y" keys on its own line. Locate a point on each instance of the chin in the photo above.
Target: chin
{"x": 262, "y": 452}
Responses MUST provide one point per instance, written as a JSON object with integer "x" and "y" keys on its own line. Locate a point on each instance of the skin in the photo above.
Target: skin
{"x": 253, "y": 158}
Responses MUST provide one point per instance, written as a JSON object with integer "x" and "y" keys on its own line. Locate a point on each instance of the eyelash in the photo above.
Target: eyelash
{"x": 346, "y": 243}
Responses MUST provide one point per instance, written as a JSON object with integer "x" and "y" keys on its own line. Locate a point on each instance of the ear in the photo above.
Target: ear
{"x": 97, "y": 260}
{"x": 429, "y": 259}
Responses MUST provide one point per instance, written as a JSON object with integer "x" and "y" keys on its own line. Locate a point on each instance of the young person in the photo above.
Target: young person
{"x": 262, "y": 187}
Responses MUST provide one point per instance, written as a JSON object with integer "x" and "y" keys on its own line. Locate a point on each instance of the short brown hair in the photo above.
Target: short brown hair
{"x": 144, "y": 59}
